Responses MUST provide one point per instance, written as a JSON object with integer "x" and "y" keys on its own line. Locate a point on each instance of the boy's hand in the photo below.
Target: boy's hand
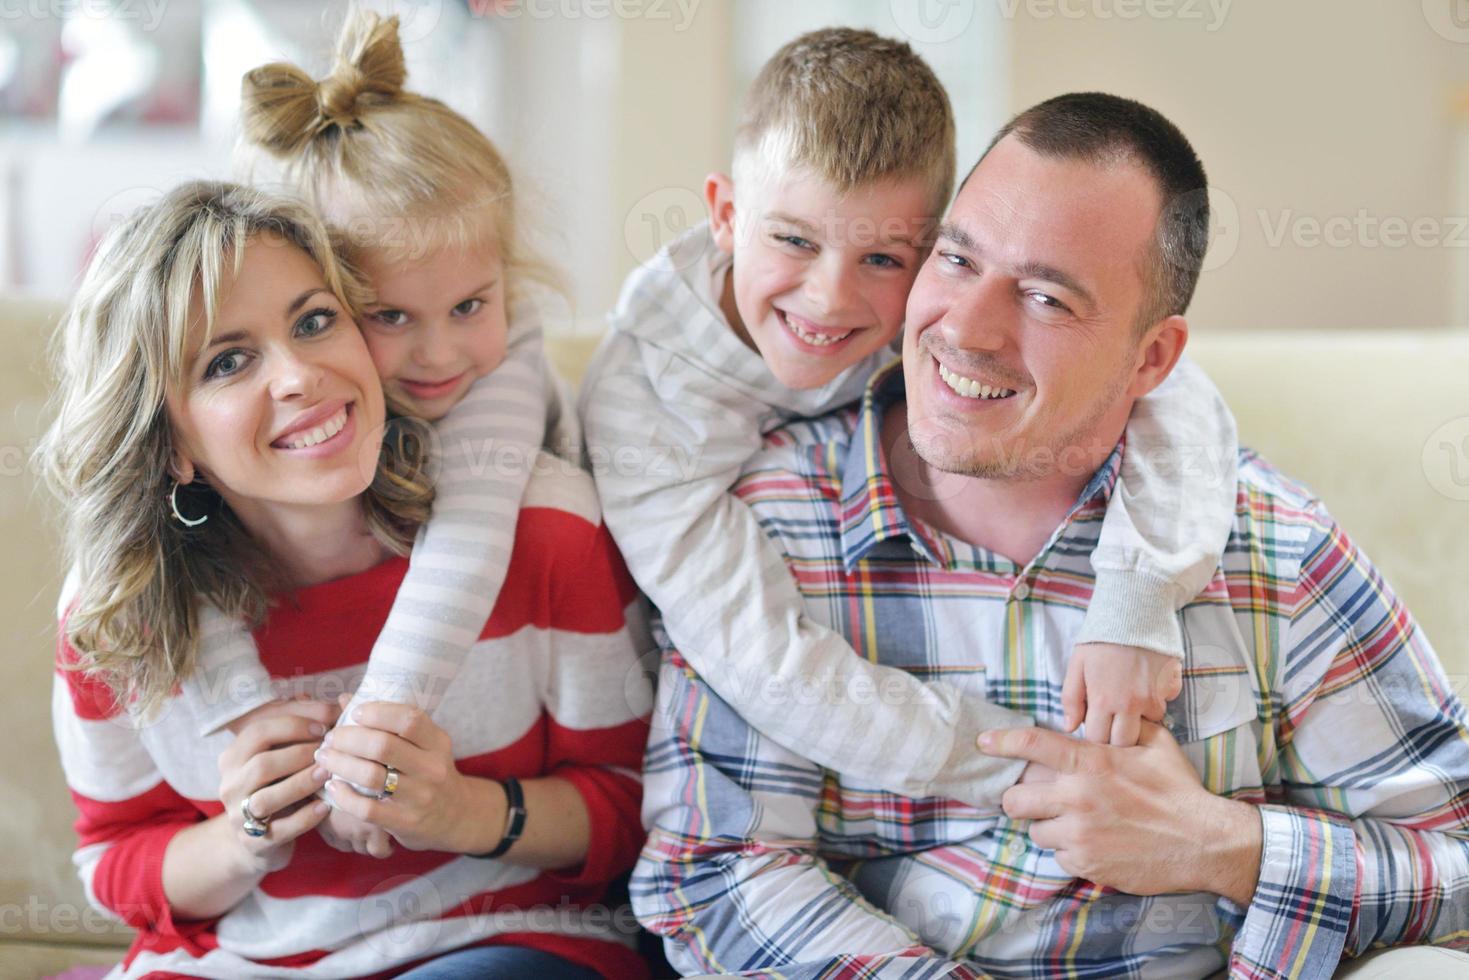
{"x": 1112, "y": 687}
{"x": 353, "y": 835}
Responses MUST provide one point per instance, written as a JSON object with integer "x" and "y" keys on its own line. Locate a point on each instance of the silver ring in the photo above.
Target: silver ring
{"x": 254, "y": 826}
{"x": 390, "y": 783}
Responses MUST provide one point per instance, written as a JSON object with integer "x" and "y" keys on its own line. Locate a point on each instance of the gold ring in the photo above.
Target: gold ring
{"x": 390, "y": 784}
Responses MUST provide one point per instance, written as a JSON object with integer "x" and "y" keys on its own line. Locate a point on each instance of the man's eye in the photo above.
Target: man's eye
{"x": 225, "y": 364}
{"x": 469, "y": 307}
{"x": 390, "y": 318}
{"x": 958, "y": 261}
{"x": 1049, "y": 301}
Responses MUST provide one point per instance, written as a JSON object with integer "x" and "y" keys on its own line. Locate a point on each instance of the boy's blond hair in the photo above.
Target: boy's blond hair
{"x": 852, "y": 107}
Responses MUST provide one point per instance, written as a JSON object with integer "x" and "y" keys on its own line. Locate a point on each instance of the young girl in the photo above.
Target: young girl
{"x": 426, "y": 208}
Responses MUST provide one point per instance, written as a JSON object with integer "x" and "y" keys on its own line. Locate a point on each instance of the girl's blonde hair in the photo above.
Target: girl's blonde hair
{"x": 394, "y": 172}
{"x": 121, "y": 348}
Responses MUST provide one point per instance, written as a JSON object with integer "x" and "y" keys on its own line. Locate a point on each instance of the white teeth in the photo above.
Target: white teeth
{"x": 970, "y": 388}
{"x": 815, "y": 339}
{"x": 321, "y": 433}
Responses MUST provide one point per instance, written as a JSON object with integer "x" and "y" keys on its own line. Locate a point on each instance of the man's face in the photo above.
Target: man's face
{"x": 1019, "y": 348}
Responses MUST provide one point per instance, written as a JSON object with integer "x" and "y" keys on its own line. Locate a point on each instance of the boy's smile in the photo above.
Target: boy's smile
{"x": 820, "y": 278}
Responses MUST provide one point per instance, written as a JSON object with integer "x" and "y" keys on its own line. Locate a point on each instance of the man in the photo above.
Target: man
{"x": 1310, "y": 795}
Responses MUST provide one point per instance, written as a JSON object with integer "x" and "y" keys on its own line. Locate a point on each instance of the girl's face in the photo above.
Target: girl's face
{"x": 282, "y": 407}
{"x": 438, "y": 325}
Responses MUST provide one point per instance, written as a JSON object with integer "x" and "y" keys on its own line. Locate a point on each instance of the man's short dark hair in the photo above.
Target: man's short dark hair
{"x": 1105, "y": 129}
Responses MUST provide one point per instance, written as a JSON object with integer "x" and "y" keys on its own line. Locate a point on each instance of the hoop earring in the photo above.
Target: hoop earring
{"x": 173, "y": 505}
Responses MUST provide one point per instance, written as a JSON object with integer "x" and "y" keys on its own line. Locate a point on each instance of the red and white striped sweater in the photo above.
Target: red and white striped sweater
{"x": 553, "y": 686}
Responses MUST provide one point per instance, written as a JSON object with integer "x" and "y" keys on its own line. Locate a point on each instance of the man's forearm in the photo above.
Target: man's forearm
{"x": 1230, "y": 844}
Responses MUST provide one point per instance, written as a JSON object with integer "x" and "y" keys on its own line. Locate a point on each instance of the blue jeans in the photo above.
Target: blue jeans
{"x": 495, "y": 962}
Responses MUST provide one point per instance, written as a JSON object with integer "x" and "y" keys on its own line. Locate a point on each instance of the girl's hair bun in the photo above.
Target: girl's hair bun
{"x": 283, "y": 109}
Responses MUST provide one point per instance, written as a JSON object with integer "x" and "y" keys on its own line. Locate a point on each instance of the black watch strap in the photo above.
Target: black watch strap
{"x": 514, "y": 818}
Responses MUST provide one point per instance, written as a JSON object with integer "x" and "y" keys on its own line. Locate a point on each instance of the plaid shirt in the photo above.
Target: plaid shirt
{"x": 1308, "y": 690}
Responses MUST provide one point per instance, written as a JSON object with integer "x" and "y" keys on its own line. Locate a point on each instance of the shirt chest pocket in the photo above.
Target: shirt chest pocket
{"x": 1215, "y": 719}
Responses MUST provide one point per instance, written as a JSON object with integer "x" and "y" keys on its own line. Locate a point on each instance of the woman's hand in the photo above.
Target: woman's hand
{"x": 270, "y": 763}
{"x": 433, "y": 808}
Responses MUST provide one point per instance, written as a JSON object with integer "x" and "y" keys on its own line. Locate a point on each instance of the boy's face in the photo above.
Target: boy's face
{"x": 820, "y": 278}
{"x": 439, "y": 325}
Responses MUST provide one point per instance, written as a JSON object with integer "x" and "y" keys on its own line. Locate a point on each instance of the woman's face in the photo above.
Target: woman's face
{"x": 282, "y": 408}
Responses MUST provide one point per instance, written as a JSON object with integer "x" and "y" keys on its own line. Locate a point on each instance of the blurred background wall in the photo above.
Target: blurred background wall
{"x": 1336, "y": 135}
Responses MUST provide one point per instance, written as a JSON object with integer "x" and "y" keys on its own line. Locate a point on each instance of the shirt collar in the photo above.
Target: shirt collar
{"x": 871, "y": 513}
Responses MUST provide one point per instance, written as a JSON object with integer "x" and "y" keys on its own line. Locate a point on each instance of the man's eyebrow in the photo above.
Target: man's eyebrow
{"x": 958, "y": 236}
{"x": 1039, "y": 270}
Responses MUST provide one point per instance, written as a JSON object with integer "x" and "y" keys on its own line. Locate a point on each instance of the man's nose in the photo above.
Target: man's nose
{"x": 983, "y": 317}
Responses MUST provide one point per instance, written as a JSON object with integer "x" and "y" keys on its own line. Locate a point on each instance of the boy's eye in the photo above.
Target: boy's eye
{"x": 390, "y": 318}
{"x": 316, "y": 322}
{"x": 469, "y": 307}
{"x": 226, "y": 363}
{"x": 795, "y": 240}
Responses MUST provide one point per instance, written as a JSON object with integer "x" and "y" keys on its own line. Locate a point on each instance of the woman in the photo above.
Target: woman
{"x": 220, "y": 445}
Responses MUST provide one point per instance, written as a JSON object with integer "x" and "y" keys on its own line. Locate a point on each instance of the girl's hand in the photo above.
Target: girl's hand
{"x": 431, "y": 808}
{"x": 270, "y": 763}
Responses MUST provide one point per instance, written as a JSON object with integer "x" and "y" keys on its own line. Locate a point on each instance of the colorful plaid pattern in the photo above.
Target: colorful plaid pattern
{"x": 1308, "y": 690}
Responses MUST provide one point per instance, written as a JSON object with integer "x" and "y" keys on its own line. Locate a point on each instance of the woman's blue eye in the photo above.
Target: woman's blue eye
{"x": 469, "y": 307}
{"x": 390, "y": 318}
{"x": 316, "y": 322}
{"x": 884, "y": 261}
{"x": 225, "y": 364}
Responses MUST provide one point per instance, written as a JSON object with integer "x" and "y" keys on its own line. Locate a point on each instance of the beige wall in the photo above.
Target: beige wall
{"x": 1303, "y": 109}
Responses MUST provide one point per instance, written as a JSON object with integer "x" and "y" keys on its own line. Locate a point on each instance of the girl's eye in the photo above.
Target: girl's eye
{"x": 884, "y": 261}
{"x": 390, "y": 318}
{"x": 225, "y": 364}
{"x": 316, "y": 322}
{"x": 795, "y": 240}
{"x": 469, "y": 307}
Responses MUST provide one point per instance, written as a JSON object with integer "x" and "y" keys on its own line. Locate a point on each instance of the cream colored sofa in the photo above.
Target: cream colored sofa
{"x": 1377, "y": 424}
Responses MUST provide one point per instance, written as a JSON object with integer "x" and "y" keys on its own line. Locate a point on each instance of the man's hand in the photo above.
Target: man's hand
{"x": 1134, "y": 819}
{"x": 1115, "y": 687}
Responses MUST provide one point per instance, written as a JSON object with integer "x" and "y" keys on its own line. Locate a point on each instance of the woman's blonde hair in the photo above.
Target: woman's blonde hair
{"x": 121, "y": 349}
{"x": 393, "y": 172}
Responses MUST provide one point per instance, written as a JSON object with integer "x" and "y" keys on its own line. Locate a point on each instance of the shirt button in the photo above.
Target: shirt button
{"x": 1021, "y": 591}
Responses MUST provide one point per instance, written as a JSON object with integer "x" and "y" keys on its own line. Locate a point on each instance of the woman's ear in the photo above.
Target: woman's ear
{"x": 180, "y": 467}
{"x": 719, "y": 196}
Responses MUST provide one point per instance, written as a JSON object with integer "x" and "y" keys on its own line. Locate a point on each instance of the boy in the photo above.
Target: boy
{"x": 781, "y": 307}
